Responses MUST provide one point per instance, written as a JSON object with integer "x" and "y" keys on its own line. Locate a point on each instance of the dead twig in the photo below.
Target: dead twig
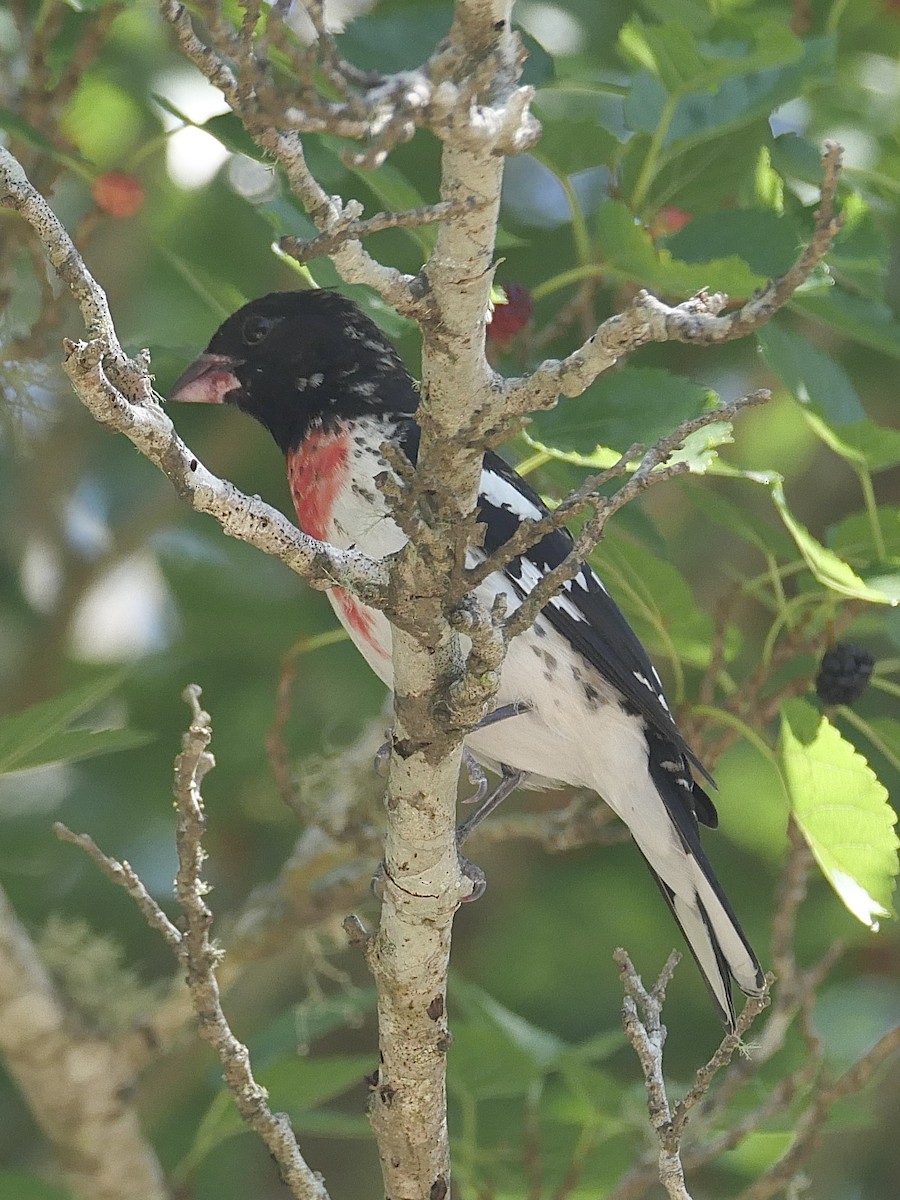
{"x": 650, "y": 471}
{"x": 199, "y": 957}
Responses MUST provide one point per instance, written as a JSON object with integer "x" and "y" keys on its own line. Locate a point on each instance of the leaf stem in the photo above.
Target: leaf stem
{"x": 868, "y": 491}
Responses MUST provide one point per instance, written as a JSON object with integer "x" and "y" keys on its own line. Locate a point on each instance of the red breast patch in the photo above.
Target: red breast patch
{"x": 317, "y": 472}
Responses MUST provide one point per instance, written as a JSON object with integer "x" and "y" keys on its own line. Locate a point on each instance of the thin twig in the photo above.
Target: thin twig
{"x": 348, "y": 230}
{"x": 199, "y": 957}
{"x": 698, "y": 320}
{"x": 650, "y": 471}
{"x": 809, "y": 1128}
{"x": 123, "y": 874}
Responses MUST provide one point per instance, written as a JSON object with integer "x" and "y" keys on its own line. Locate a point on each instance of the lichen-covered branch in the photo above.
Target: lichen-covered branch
{"x": 700, "y": 321}
{"x": 118, "y": 394}
{"x": 642, "y": 1018}
{"x": 76, "y": 1084}
{"x": 199, "y": 957}
{"x": 650, "y": 471}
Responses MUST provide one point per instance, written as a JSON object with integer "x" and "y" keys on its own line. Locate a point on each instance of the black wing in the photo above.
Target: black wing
{"x": 583, "y": 612}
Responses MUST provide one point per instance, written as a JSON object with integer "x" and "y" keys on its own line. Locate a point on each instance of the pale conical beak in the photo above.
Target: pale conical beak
{"x": 210, "y": 379}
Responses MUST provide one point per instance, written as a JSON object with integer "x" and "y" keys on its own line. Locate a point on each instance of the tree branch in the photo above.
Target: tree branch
{"x": 642, "y": 1017}
{"x": 698, "y": 321}
{"x": 76, "y": 1084}
{"x": 117, "y": 393}
{"x": 199, "y": 957}
{"x": 650, "y": 471}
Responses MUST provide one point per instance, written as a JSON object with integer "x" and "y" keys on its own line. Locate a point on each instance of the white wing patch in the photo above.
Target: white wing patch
{"x": 502, "y": 494}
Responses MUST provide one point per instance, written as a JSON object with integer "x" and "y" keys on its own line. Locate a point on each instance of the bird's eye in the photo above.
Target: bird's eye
{"x": 257, "y": 329}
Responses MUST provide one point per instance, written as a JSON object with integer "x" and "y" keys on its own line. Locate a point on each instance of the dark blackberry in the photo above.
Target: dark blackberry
{"x": 844, "y": 674}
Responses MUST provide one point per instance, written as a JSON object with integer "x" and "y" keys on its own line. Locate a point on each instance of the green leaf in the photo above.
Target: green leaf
{"x": 796, "y": 158}
{"x": 862, "y": 442}
{"x": 322, "y": 1122}
{"x": 577, "y": 133}
{"x": 752, "y": 73}
{"x": 867, "y": 321}
{"x": 629, "y": 253}
{"x": 698, "y": 178}
{"x": 852, "y": 537}
{"x": 295, "y": 1085}
{"x": 810, "y": 374}
{"x": 842, "y": 810}
{"x": 75, "y": 745}
{"x": 33, "y": 736}
{"x": 766, "y": 242}
{"x": 742, "y": 522}
{"x": 496, "y": 1053}
{"x": 657, "y": 599}
{"x": 314, "y": 1019}
{"x": 18, "y": 127}
{"x": 685, "y": 66}
{"x": 832, "y": 572}
{"x": 300, "y": 1083}
{"x": 754, "y": 92}
{"x": 700, "y": 449}
{"x": 541, "y": 1046}
{"x": 860, "y": 254}
{"x": 636, "y": 404}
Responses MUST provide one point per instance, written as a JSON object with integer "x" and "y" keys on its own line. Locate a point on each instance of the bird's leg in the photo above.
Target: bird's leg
{"x": 507, "y": 785}
{"x": 486, "y": 803}
{"x": 473, "y": 769}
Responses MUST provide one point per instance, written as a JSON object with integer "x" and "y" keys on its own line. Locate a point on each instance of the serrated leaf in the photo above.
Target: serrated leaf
{"x": 23, "y": 734}
{"x": 810, "y": 374}
{"x": 766, "y": 242}
{"x": 629, "y": 253}
{"x": 842, "y": 811}
{"x": 636, "y": 404}
{"x": 832, "y": 572}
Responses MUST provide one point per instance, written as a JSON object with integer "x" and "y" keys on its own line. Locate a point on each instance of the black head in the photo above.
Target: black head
{"x": 298, "y": 361}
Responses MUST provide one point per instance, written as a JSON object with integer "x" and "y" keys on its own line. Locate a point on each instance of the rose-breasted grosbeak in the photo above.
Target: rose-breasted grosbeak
{"x": 588, "y": 703}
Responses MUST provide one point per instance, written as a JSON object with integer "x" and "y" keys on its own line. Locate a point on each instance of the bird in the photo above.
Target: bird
{"x": 579, "y": 701}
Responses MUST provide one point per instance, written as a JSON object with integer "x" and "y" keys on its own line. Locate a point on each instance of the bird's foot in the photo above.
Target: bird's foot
{"x": 383, "y": 754}
{"x": 507, "y": 785}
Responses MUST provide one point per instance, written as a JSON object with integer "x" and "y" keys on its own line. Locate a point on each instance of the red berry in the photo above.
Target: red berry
{"x": 512, "y": 317}
{"x": 671, "y": 219}
{"x": 118, "y": 194}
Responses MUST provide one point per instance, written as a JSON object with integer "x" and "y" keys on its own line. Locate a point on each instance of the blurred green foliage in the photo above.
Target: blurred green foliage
{"x": 681, "y": 151}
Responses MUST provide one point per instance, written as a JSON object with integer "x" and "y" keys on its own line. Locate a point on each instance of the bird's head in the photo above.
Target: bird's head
{"x": 298, "y": 361}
